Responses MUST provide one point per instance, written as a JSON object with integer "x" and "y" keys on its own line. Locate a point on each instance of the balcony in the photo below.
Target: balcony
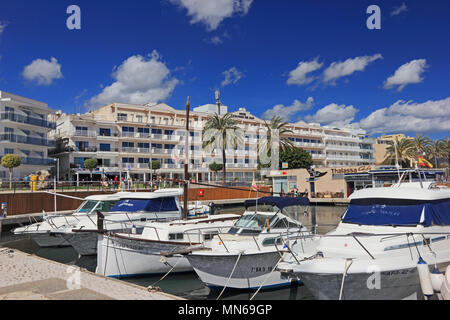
{"x": 10, "y": 137}
{"x": 11, "y": 116}
{"x": 85, "y": 133}
{"x": 86, "y": 149}
{"x": 342, "y": 138}
{"x": 36, "y": 161}
{"x": 343, "y": 158}
{"x": 344, "y": 148}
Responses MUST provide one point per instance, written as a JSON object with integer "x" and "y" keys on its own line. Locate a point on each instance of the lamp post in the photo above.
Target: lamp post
{"x": 151, "y": 154}
{"x": 218, "y": 101}
{"x": 57, "y": 168}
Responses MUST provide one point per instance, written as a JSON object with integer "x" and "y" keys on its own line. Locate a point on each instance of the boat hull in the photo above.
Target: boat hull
{"x": 85, "y": 243}
{"x": 46, "y": 240}
{"x": 122, "y": 258}
{"x": 394, "y": 285}
{"x": 251, "y": 272}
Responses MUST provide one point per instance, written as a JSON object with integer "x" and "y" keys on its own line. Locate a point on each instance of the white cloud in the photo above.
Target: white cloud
{"x": 212, "y": 13}
{"x": 287, "y": 112}
{"x": 398, "y": 10}
{"x": 430, "y": 116}
{"x": 299, "y": 77}
{"x": 408, "y": 73}
{"x": 341, "y": 69}
{"x": 3, "y": 25}
{"x": 42, "y": 71}
{"x": 138, "y": 80}
{"x": 232, "y": 76}
{"x": 334, "y": 115}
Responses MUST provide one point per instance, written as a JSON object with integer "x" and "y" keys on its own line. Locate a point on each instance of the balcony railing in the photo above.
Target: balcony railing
{"x": 11, "y": 137}
{"x": 35, "y": 161}
{"x": 85, "y": 133}
{"x": 11, "y": 116}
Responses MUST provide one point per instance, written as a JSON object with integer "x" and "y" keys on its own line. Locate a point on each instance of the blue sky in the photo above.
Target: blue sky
{"x": 391, "y": 80}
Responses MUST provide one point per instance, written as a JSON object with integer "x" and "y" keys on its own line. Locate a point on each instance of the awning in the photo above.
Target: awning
{"x": 280, "y": 202}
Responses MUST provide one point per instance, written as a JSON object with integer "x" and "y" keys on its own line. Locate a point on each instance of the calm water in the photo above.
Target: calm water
{"x": 186, "y": 285}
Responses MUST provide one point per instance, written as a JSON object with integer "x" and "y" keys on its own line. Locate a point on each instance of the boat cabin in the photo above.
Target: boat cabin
{"x": 269, "y": 213}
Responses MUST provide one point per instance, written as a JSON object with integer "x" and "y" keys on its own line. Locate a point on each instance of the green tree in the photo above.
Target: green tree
{"x": 215, "y": 167}
{"x": 420, "y": 145}
{"x": 222, "y": 132}
{"x": 405, "y": 151}
{"x": 297, "y": 158}
{"x": 265, "y": 145}
{"x": 445, "y": 145}
{"x": 91, "y": 165}
{"x": 436, "y": 151}
{"x": 11, "y": 161}
{"x": 156, "y": 164}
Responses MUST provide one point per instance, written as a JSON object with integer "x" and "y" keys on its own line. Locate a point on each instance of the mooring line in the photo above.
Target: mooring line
{"x": 229, "y": 278}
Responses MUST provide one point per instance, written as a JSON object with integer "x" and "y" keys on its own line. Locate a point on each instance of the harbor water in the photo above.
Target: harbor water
{"x": 187, "y": 285}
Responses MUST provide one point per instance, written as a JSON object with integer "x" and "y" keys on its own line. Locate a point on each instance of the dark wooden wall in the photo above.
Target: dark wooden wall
{"x": 35, "y": 202}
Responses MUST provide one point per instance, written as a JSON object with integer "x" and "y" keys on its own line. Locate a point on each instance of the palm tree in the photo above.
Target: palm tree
{"x": 421, "y": 145}
{"x": 405, "y": 150}
{"x": 276, "y": 124}
{"x": 436, "y": 150}
{"x": 220, "y": 132}
{"x": 445, "y": 145}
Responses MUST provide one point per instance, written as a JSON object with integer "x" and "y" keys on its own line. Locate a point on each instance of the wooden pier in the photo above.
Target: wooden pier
{"x": 28, "y": 277}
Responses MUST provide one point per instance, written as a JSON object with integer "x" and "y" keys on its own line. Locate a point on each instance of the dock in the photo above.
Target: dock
{"x": 28, "y": 277}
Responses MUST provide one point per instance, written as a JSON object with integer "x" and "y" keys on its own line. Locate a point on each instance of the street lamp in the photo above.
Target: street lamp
{"x": 57, "y": 168}
{"x": 151, "y": 154}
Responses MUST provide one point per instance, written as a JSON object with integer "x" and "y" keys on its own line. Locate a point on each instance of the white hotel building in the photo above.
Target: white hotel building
{"x": 123, "y": 137}
{"x": 23, "y": 131}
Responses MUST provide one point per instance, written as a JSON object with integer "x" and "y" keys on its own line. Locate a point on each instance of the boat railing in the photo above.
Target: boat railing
{"x": 280, "y": 236}
{"x": 199, "y": 231}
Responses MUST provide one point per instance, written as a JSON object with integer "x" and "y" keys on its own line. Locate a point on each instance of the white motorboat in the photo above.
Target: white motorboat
{"x": 246, "y": 256}
{"x": 196, "y": 208}
{"x": 381, "y": 239}
{"x": 132, "y": 209}
{"x": 43, "y": 233}
{"x": 123, "y": 255}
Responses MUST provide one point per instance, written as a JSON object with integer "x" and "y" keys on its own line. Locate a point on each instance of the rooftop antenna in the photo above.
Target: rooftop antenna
{"x": 217, "y": 93}
{"x": 186, "y": 163}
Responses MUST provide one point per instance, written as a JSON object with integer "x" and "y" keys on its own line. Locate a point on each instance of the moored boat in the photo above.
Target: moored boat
{"x": 375, "y": 251}
{"x": 245, "y": 257}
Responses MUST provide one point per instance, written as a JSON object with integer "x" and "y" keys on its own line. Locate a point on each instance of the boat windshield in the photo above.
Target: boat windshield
{"x": 253, "y": 221}
{"x": 90, "y": 205}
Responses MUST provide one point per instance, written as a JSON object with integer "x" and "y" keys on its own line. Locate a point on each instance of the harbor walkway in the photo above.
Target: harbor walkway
{"x": 28, "y": 277}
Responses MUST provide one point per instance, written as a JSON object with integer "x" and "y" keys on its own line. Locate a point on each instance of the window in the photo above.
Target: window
{"x": 156, "y": 131}
{"x": 139, "y": 118}
{"x": 175, "y": 236}
{"x": 170, "y": 146}
{"x": 168, "y": 132}
{"x": 9, "y": 151}
{"x": 143, "y": 130}
{"x": 143, "y": 160}
{"x": 9, "y": 109}
{"x": 156, "y": 145}
{"x": 105, "y": 147}
{"x": 143, "y": 145}
{"x": 126, "y": 144}
{"x": 105, "y": 132}
{"x": 127, "y": 160}
{"x": 122, "y": 117}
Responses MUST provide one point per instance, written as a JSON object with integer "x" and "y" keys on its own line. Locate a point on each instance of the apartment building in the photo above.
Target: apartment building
{"x": 124, "y": 137}
{"x": 24, "y": 127}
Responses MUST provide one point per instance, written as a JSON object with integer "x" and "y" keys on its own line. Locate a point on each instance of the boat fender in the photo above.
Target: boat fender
{"x": 437, "y": 279}
{"x": 133, "y": 229}
{"x": 424, "y": 277}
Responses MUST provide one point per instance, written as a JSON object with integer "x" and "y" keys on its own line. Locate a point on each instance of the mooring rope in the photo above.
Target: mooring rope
{"x": 166, "y": 263}
{"x": 268, "y": 276}
{"x": 344, "y": 275}
{"x": 232, "y": 271}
